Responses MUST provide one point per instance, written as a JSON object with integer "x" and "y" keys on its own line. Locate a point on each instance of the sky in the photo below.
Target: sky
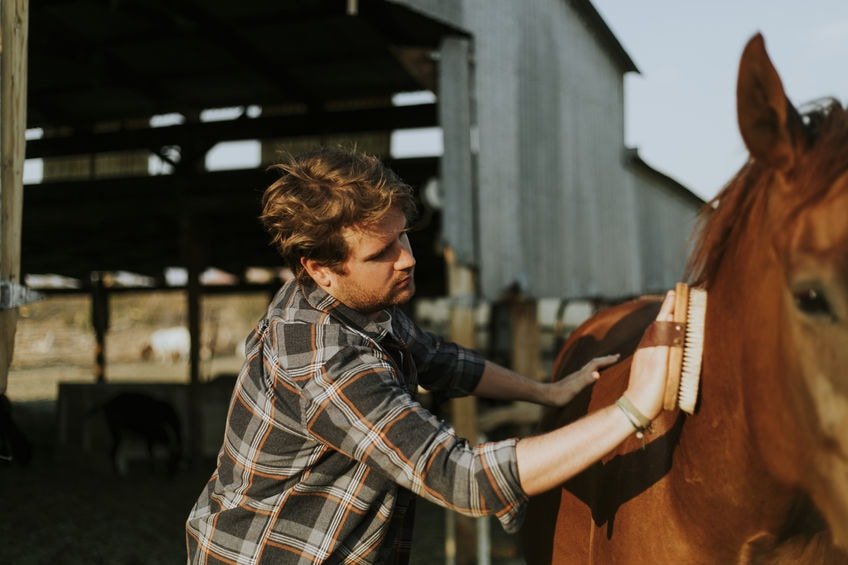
{"x": 680, "y": 109}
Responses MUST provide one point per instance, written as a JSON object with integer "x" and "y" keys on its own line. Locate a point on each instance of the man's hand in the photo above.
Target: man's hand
{"x": 649, "y": 369}
{"x": 563, "y": 391}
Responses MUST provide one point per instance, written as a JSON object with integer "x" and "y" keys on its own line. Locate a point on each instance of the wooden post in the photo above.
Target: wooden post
{"x": 13, "y": 80}
{"x": 524, "y": 330}
{"x": 193, "y": 255}
{"x": 461, "y": 288}
{"x": 194, "y": 309}
{"x": 192, "y": 156}
{"x": 100, "y": 322}
{"x": 461, "y": 546}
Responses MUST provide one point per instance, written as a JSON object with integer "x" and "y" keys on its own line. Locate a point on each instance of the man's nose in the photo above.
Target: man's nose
{"x": 406, "y": 260}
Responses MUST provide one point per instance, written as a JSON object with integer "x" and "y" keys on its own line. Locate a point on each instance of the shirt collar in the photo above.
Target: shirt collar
{"x": 376, "y": 327}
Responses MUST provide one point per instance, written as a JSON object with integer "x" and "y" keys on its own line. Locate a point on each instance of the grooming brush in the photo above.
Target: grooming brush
{"x": 684, "y": 357}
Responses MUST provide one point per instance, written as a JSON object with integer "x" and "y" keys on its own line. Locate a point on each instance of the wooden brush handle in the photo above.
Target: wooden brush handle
{"x": 675, "y": 352}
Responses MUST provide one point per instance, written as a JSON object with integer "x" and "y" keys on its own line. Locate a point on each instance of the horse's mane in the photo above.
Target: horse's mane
{"x": 724, "y": 218}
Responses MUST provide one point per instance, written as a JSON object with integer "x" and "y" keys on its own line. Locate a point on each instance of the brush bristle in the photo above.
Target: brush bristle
{"x": 693, "y": 349}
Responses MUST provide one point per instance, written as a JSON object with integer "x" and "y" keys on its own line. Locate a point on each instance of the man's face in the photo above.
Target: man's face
{"x": 379, "y": 269}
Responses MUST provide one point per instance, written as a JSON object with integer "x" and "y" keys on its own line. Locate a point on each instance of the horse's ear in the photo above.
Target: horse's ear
{"x": 770, "y": 125}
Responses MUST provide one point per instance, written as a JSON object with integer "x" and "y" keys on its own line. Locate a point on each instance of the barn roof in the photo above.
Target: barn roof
{"x": 99, "y": 69}
{"x": 634, "y": 159}
{"x": 596, "y": 24}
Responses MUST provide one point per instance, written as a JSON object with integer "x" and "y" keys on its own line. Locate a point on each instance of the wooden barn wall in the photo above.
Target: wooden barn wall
{"x": 556, "y": 206}
{"x": 667, "y": 218}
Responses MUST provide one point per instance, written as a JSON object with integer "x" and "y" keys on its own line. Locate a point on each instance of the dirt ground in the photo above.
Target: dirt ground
{"x": 71, "y": 508}
{"x": 68, "y": 506}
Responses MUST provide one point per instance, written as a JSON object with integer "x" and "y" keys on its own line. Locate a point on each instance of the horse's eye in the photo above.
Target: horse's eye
{"x": 812, "y": 301}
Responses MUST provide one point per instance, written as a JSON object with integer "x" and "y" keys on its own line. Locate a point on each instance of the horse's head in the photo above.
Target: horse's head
{"x": 776, "y": 244}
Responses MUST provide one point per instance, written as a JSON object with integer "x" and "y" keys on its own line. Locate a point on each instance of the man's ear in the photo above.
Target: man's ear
{"x": 318, "y": 272}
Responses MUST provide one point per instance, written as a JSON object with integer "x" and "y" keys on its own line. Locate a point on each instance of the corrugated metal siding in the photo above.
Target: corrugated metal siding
{"x": 458, "y": 187}
{"x": 556, "y": 208}
{"x": 558, "y": 212}
{"x": 667, "y": 217}
{"x": 497, "y": 69}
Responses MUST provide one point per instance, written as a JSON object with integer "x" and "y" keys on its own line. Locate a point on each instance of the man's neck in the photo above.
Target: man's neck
{"x": 358, "y": 317}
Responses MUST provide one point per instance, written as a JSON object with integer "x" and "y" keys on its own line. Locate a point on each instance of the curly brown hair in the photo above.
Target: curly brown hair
{"x": 322, "y": 192}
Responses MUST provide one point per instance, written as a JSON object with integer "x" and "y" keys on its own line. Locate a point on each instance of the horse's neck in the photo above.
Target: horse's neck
{"x": 719, "y": 444}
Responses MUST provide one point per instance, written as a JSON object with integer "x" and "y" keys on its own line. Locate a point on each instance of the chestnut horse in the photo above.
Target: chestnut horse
{"x": 760, "y": 473}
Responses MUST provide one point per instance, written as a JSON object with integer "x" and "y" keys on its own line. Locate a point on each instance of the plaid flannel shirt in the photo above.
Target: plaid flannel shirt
{"x": 325, "y": 445}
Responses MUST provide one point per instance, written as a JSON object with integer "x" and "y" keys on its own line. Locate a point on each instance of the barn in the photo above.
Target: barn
{"x": 531, "y": 197}
{"x": 546, "y": 111}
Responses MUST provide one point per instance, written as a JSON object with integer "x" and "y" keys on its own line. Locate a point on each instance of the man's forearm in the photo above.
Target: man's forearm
{"x": 500, "y": 383}
{"x": 503, "y": 384}
{"x": 548, "y": 460}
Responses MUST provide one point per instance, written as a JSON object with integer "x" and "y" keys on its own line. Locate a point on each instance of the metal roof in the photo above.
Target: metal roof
{"x": 97, "y": 60}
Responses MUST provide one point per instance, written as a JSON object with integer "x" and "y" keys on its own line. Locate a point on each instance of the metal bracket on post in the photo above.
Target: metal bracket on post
{"x": 13, "y": 295}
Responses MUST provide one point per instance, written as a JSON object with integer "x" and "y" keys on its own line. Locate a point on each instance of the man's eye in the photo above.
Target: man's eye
{"x": 379, "y": 255}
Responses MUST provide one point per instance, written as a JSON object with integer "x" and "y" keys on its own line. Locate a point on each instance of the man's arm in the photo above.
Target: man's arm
{"x": 548, "y": 460}
{"x": 500, "y": 383}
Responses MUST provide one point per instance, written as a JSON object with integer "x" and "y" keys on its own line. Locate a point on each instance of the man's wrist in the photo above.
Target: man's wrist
{"x": 643, "y": 405}
{"x": 640, "y": 422}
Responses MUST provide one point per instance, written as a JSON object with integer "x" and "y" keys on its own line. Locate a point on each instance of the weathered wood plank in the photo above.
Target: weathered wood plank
{"x": 525, "y": 337}
{"x": 13, "y": 79}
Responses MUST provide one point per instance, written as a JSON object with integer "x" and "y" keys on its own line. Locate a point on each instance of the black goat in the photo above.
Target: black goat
{"x": 139, "y": 415}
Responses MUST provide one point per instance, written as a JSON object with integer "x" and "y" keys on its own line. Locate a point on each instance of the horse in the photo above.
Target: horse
{"x": 759, "y": 473}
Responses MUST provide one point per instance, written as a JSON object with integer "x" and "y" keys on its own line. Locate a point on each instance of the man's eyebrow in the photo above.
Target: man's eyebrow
{"x": 386, "y": 247}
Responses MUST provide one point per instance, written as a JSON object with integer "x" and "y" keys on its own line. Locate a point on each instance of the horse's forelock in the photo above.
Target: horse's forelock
{"x": 724, "y": 217}
{"x": 828, "y": 156}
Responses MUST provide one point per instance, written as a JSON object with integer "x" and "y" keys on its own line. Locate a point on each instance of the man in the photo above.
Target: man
{"x": 326, "y": 446}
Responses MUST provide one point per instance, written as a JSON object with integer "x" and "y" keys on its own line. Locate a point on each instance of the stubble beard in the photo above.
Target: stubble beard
{"x": 369, "y": 303}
